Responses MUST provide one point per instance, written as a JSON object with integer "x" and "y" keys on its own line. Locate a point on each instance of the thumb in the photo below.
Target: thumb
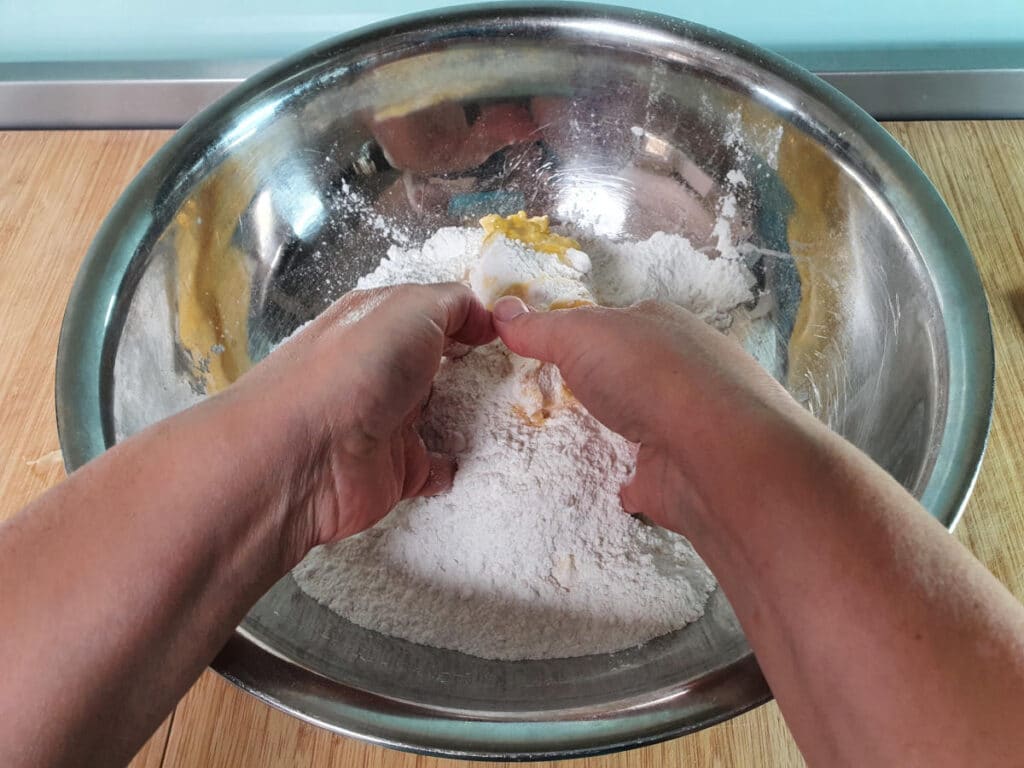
{"x": 528, "y": 333}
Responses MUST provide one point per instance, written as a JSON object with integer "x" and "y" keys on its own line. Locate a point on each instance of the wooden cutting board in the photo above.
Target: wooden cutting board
{"x": 55, "y": 188}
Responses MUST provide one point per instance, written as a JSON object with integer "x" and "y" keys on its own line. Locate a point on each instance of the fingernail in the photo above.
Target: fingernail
{"x": 508, "y": 308}
{"x": 627, "y": 501}
{"x": 441, "y": 475}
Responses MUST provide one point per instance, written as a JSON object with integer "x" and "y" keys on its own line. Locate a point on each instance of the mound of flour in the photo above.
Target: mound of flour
{"x": 529, "y": 555}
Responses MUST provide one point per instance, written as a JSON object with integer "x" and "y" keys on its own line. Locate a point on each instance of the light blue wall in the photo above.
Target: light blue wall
{"x": 822, "y": 34}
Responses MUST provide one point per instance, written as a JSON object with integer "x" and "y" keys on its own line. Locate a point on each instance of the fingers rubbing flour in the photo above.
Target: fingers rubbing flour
{"x": 529, "y": 555}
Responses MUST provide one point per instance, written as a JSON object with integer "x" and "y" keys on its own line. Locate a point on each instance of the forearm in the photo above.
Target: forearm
{"x": 884, "y": 641}
{"x": 118, "y": 586}
{"x": 121, "y": 584}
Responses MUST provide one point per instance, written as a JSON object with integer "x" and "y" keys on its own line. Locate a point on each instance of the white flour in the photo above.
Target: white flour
{"x": 530, "y": 554}
{"x": 667, "y": 267}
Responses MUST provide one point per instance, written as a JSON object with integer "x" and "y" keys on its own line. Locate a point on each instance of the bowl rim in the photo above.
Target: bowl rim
{"x": 84, "y": 350}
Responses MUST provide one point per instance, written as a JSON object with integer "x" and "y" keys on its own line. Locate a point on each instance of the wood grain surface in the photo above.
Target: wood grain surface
{"x": 55, "y": 188}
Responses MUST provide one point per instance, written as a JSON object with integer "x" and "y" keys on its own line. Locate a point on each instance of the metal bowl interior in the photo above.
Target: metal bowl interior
{"x": 278, "y": 198}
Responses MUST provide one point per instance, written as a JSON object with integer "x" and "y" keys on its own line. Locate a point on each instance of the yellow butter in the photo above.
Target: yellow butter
{"x": 533, "y": 230}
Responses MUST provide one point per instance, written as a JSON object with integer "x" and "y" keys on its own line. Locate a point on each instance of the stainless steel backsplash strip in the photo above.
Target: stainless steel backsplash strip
{"x": 168, "y": 94}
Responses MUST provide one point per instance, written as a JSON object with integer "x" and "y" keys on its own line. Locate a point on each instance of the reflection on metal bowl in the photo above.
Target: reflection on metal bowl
{"x": 275, "y": 200}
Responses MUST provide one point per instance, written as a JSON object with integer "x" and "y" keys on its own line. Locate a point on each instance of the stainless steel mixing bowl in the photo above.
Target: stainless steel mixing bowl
{"x": 275, "y": 200}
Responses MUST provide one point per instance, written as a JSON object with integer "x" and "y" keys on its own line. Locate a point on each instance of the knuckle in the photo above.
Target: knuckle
{"x": 649, "y": 307}
{"x": 419, "y": 294}
{"x": 396, "y": 293}
{"x": 361, "y": 300}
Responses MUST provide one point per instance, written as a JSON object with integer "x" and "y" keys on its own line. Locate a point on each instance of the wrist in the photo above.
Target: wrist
{"x": 739, "y": 462}
{"x": 271, "y": 472}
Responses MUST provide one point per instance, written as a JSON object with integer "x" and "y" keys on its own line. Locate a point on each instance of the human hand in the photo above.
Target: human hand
{"x": 191, "y": 520}
{"x": 660, "y": 377}
{"x": 350, "y": 388}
